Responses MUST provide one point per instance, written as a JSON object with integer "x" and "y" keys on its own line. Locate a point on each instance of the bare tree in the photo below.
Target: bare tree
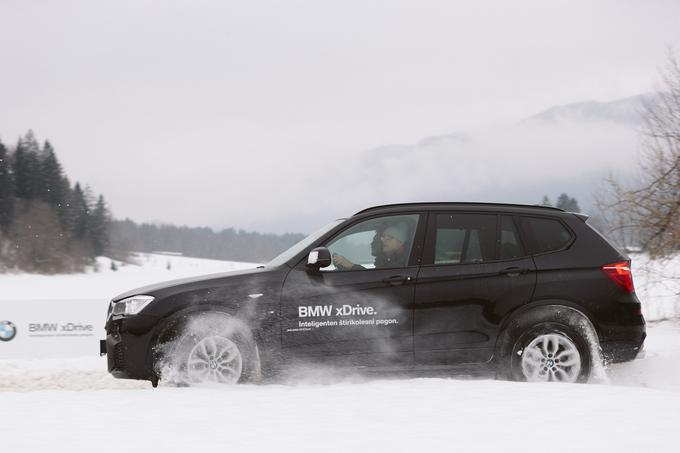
{"x": 649, "y": 209}
{"x": 37, "y": 243}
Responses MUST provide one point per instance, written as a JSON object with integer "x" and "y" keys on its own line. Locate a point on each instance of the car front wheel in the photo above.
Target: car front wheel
{"x": 214, "y": 359}
{"x": 210, "y": 347}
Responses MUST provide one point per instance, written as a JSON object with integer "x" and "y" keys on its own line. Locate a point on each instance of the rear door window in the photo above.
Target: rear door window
{"x": 463, "y": 238}
{"x": 545, "y": 235}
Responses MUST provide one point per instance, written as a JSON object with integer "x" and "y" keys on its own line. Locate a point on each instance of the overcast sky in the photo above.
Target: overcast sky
{"x": 252, "y": 114}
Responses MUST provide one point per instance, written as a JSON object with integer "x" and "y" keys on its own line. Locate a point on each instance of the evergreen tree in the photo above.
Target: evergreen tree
{"x": 80, "y": 213}
{"x": 20, "y": 169}
{"x": 567, "y": 203}
{"x": 31, "y": 143}
{"x": 6, "y": 191}
{"x": 90, "y": 198}
{"x": 99, "y": 227}
{"x": 546, "y": 201}
{"x": 50, "y": 185}
{"x": 26, "y": 167}
{"x": 53, "y": 186}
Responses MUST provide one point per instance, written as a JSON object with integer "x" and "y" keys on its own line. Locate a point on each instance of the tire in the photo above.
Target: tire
{"x": 550, "y": 352}
{"x": 209, "y": 348}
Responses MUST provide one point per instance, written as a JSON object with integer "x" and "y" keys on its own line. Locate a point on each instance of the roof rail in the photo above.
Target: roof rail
{"x": 458, "y": 203}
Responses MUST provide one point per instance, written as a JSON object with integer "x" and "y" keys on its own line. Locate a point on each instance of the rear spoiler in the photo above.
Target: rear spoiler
{"x": 581, "y": 216}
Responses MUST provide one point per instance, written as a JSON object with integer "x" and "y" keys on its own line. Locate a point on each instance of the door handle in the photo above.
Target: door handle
{"x": 514, "y": 271}
{"x": 397, "y": 280}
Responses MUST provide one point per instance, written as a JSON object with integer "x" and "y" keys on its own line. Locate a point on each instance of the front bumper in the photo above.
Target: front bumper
{"x": 127, "y": 352}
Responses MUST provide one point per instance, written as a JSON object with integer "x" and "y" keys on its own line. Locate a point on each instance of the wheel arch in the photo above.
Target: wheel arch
{"x": 169, "y": 325}
{"x": 534, "y": 312}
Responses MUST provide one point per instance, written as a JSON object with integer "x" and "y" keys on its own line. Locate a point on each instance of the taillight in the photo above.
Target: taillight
{"x": 620, "y": 274}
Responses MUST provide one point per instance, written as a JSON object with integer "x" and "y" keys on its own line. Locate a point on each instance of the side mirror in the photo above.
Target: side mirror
{"x": 318, "y": 258}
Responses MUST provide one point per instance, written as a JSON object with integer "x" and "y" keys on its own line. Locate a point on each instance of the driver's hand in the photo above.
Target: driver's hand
{"x": 341, "y": 262}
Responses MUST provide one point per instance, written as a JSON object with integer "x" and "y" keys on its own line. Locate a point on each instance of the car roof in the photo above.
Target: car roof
{"x": 473, "y": 206}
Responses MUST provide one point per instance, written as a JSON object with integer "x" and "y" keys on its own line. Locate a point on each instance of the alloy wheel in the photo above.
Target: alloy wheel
{"x": 215, "y": 359}
{"x": 551, "y": 357}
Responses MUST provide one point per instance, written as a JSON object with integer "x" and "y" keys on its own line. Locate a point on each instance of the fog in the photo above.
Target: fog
{"x": 278, "y": 116}
{"x": 513, "y": 163}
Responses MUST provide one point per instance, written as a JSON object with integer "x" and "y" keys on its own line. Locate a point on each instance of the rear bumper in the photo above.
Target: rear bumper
{"x": 625, "y": 346}
{"x": 621, "y": 352}
{"x": 622, "y": 335}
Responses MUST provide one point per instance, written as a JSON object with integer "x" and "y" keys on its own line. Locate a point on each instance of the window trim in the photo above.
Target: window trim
{"x": 522, "y": 242}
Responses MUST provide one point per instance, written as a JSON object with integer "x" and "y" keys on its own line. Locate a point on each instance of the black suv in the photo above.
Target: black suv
{"x": 533, "y": 292}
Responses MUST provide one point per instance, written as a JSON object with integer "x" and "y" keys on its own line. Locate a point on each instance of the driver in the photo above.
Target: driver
{"x": 393, "y": 248}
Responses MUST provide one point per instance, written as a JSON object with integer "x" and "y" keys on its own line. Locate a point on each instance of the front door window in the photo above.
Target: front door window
{"x": 383, "y": 243}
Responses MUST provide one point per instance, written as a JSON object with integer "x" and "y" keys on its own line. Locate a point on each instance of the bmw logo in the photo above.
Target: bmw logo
{"x": 7, "y": 330}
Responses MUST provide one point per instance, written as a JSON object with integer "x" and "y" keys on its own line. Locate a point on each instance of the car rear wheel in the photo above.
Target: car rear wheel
{"x": 550, "y": 352}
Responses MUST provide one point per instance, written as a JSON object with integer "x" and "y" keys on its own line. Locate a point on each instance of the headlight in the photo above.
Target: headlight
{"x": 130, "y": 306}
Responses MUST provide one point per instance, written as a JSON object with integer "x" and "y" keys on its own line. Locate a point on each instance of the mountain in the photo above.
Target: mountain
{"x": 623, "y": 111}
{"x": 567, "y": 148}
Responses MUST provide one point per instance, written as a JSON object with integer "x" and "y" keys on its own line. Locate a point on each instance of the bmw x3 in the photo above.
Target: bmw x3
{"x": 533, "y": 293}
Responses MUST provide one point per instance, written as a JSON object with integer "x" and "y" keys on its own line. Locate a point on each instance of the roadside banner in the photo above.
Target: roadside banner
{"x": 51, "y": 328}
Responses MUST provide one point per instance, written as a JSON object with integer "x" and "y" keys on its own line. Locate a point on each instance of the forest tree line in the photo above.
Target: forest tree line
{"x": 46, "y": 224}
{"x": 564, "y": 202}
{"x": 228, "y": 244}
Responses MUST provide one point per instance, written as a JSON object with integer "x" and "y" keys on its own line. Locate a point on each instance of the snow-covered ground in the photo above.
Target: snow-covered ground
{"x": 73, "y": 404}
{"x": 105, "y": 283}
{"x": 373, "y": 416}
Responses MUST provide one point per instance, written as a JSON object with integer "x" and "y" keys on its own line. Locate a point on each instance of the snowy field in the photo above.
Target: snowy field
{"x": 66, "y": 404}
{"x": 104, "y": 283}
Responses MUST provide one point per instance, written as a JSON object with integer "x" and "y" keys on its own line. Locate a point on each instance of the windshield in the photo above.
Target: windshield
{"x": 303, "y": 244}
